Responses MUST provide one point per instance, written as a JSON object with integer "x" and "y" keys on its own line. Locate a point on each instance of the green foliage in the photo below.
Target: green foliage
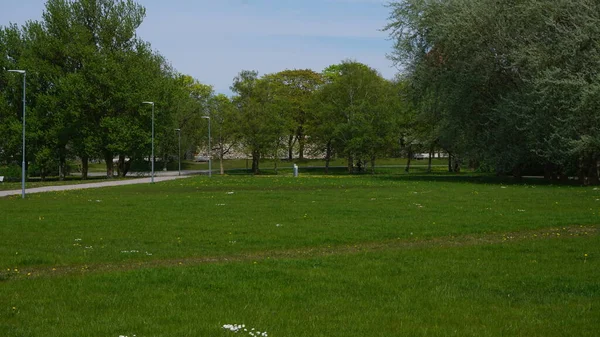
{"x": 505, "y": 84}
{"x": 356, "y": 112}
{"x": 260, "y": 120}
{"x": 10, "y": 172}
{"x": 87, "y": 74}
{"x": 294, "y": 90}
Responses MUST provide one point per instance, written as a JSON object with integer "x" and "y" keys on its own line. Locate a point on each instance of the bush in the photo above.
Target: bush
{"x": 11, "y": 172}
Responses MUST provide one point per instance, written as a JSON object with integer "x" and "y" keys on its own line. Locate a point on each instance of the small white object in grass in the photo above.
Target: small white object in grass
{"x": 278, "y": 225}
{"x": 229, "y": 193}
{"x": 220, "y": 204}
{"x": 98, "y": 200}
{"x": 502, "y": 186}
{"x": 78, "y": 239}
{"x": 235, "y": 328}
{"x": 149, "y": 254}
{"x": 520, "y": 210}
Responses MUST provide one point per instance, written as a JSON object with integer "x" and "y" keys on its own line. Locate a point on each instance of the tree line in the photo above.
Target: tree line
{"x": 88, "y": 74}
{"x": 507, "y": 87}
{"x": 511, "y": 87}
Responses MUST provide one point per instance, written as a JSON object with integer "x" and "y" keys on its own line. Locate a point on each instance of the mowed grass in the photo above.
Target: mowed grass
{"x": 312, "y": 256}
{"x": 71, "y": 180}
{"x": 218, "y": 216}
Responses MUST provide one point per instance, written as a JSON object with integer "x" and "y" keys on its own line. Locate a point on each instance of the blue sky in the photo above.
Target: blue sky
{"x": 213, "y": 40}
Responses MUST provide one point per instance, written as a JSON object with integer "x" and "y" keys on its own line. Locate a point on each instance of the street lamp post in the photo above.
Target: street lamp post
{"x": 179, "y": 153}
{"x": 152, "y": 103}
{"x": 23, "y": 164}
{"x": 209, "y": 149}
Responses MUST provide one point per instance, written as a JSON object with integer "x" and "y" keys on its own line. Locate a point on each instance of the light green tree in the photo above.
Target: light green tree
{"x": 260, "y": 119}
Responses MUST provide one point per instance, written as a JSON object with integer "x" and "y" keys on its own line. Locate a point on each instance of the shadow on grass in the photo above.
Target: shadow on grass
{"x": 475, "y": 178}
{"x": 416, "y": 174}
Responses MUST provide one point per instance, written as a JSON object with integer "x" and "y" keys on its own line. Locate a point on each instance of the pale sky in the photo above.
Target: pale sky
{"x": 213, "y": 40}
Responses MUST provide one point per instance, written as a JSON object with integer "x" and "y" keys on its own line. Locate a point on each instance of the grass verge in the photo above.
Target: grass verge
{"x": 315, "y": 256}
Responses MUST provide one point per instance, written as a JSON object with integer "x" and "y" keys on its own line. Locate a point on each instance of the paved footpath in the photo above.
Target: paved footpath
{"x": 90, "y": 185}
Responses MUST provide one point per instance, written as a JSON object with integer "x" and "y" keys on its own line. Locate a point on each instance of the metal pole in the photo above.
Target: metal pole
{"x": 179, "y": 153}
{"x": 23, "y": 165}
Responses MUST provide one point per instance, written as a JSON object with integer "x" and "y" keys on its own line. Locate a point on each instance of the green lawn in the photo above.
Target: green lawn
{"x": 384, "y": 255}
{"x": 33, "y": 183}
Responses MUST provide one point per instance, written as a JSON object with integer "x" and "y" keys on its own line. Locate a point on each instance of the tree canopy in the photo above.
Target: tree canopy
{"x": 508, "y": 86}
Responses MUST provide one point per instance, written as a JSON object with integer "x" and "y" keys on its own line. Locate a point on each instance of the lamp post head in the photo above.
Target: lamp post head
{"x": 148, "y": 103}
{"x": 178, "y": 130}
{"x": 206, "y": 117}
{"x": 16, "y": 71}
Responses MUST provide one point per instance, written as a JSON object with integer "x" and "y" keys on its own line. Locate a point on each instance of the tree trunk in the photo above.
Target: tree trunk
{"x": 327, "y": 157}
{"x": 123, "y": 166}
{"x": 84, "y": 167}
{"x": 61, "y": 168}
{"x": 449, "y": 162}
{"x": 255, "y": 162}
{"x": 301, "y": 143}
{"x": 456, "y": 165}
{"x": 221, "y": 161}
{"x": 373, "y": 165}
{"x": 291, "y": 141}
{"x": 593, "y": 172}
{"x": 350, "y": 164}
{"x": 518, "y": 172}
{"x": 410, "y": 155}
{"x": 108, "y": 157}
{"x": 430, "y": 158}
{"x": 548, "y": 171}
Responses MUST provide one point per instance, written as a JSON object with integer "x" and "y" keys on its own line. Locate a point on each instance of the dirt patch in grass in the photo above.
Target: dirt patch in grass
{"x": 300, "y": 253}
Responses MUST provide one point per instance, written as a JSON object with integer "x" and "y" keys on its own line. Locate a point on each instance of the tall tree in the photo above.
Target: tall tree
{"x": 508, "y": 76}
{"x": 294, "y": 89}
{"x": 260, "y": 120}
{"x": 354, "y": 113}
{"x": 224, "y": 134}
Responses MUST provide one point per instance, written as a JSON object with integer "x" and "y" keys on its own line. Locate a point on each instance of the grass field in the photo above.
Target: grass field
{"x": 384, "y": 255}
{"x": 231, "y": 167}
